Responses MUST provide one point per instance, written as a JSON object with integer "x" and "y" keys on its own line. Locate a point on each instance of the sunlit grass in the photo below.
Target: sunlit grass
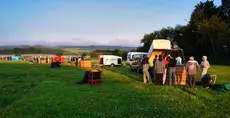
{"x": 39, "y": 91}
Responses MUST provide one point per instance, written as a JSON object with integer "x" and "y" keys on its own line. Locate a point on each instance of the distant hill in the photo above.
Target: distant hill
{"x": 33, "y": 50}
{"x": 88, "y": 48}
{"x": 10, "y": 47}
{"x": 99, "y": 47}
{"x": 20, "y": 46}
{"x": 38, "y": 49}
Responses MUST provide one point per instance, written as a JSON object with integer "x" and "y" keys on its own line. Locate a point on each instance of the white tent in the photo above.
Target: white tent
{"x": 159, "y": 44}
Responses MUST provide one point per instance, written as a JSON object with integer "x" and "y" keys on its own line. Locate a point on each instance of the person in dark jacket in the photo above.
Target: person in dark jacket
{"x": 153, "y": 71}
{"x": 166, "y": 61}
{"x": 155, "y": 59}
{"x": 172, "y": 70}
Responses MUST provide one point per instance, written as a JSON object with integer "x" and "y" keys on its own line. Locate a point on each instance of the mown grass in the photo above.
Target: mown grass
{"x": 76, "y": 50}
{"x": 39, "y": 91}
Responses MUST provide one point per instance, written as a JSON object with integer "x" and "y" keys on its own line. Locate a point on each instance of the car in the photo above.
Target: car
{"x": 136, "y": 66}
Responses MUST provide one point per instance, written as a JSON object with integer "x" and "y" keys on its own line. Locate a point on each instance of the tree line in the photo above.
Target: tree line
{"x": 45, "y": 50}
{"x": 206, "y": 33}
{"x": 35, "y": 50}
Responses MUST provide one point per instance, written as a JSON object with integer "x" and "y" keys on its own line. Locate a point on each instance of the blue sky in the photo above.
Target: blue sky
{"x": 88, "y": 22}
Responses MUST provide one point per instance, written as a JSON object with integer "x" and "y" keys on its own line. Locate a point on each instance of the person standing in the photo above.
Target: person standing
{"x": 172, "y": 70}
{"x": 155, "y": 59}
{"x": 146, "y": 75}
{"x": 192, "y": 68}
{"x": 153, "y": 71}
{"x": 47, "y": 59}
{"x": 166, "y": 61}
{"x": 78, "y": 61}
{"x": 159, "y": 69}
{"x": 204, "y": 66}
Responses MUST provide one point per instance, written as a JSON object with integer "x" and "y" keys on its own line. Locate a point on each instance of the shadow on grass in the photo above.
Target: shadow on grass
{"x": 14, "y": 93}
{"x": 188, "y": 90}
{"x": 125, "y": 71}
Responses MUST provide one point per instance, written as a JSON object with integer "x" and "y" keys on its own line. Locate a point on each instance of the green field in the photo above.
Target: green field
{"x": 76, "y": 50}
{"x": 37, "y": 91}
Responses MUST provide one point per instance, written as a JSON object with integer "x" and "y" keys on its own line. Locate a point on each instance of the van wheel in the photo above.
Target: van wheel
{"x": 112, "y": 65}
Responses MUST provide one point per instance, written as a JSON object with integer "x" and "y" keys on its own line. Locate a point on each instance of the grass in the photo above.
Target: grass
{"x": 76, "y": 50}
{"x": 39, "y": 91}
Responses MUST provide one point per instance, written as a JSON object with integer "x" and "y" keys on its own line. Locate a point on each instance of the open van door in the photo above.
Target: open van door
{"x": 119, "y": 61}
{"x": 101, "y": 60}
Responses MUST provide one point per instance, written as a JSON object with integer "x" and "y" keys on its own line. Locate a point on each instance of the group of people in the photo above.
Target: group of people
{"x": 193, "y": 67}
{"x": 39, "y": 58}
{"x": 165, "y": 68}
{"x": 76, "y": 60}
{"x": 5, "y": 58}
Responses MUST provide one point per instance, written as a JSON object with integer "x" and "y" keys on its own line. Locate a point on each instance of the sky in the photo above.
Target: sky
{"x": 88, "y": 22}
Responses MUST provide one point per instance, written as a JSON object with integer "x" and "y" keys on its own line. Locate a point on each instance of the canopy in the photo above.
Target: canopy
{"x": 15, "y": 57}
{"x": 159, "y": 44}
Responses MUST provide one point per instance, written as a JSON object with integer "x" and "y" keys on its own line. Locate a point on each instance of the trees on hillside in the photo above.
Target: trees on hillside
{"x": 224, "y": 11}
{"x": 35, "y": 50}
{"x": 207, "y": 32}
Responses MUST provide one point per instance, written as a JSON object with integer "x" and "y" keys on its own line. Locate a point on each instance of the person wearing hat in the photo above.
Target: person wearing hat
{"x": 205, "y": 66}
{"x": 192, "y": 68}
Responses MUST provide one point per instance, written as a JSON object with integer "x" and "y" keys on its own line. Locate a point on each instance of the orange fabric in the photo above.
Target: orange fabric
{"x": 60, "y": 58}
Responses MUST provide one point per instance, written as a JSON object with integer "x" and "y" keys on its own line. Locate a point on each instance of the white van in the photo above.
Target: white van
{"x": 111, "y": 60}
{"x": 134, "y": 55}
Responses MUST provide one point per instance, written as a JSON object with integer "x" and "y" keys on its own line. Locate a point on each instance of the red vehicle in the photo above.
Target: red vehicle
{"x": 58, "y": 58}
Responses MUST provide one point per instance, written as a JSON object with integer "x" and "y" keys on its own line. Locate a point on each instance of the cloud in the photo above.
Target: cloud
{"x": 77, "y": 39}
{"x": 125, "y": 41}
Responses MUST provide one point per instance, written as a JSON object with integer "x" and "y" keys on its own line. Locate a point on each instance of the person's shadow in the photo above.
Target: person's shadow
{"x": 218, "y": 87}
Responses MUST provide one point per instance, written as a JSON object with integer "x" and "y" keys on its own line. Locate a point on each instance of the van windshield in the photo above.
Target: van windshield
{"x": 139, "y": 56}
{"x": 129, "y": 57}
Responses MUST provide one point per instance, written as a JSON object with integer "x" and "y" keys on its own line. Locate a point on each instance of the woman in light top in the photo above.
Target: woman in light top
{"x": 205, "y": 66}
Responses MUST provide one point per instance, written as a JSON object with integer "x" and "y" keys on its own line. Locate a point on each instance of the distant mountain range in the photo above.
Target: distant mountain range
{"x": 90, "y": 47}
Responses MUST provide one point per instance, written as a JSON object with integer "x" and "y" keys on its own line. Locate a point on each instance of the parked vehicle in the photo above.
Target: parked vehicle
{"x": 111, "y": 60}
{"x": 136, "y": 65}
{"x": 131, "y": 56}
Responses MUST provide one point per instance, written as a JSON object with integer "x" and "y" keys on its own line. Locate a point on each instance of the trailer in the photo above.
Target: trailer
{"x": 111, "y": 60}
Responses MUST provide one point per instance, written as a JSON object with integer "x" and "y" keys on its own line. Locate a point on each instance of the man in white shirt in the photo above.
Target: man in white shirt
{"x": 178, "y": 61}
